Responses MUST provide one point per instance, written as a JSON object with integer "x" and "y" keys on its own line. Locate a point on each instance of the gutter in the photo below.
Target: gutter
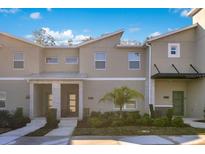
{"x": 149, "y": 72}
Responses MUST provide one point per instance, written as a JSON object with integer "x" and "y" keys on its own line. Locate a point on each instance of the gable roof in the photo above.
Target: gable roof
{"x": 172, "y": 33}
{"x": 193, "y": 12}
{"x": 101, "y": 37}
{"x": 20, "y": 39}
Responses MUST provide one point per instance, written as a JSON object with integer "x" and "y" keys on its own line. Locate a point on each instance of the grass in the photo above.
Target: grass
{"x": 137, "y": 130}
{"x": 40, "y": 132}
{"x": 4, "y": 130}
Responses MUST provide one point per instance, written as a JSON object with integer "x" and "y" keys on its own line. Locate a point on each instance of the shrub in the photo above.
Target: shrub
{"x": 18, "y": 119}
{"x": 96, "y": 122}
{"x": 95, "y": 114}
{"x": 51, "y": 118}
{"x": 169, "y": 114}
{"x": 131, "y": 117}
{"x": 178, "y": 122}
{"x": 145, "y": 120}
{"x": 152, "y": 110}
{"x": 118, "y": 122}
{"x": 5, "y": 117}
{"x": 161, "y": 122}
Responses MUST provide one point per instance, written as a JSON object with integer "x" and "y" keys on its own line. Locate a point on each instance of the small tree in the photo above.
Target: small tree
{"x": 121, "y": 96}
{"x": 43, "y": 38}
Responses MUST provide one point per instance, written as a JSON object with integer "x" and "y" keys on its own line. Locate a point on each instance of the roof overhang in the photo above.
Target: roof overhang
{"x": 178, "y": 75}
{"x": 193, "y": 12}
{"x": 172, "y": 32}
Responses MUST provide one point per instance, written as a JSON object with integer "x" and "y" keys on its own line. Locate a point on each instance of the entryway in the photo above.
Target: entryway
{"x": 69, "y": 100}
{"x": 178, "y": 102}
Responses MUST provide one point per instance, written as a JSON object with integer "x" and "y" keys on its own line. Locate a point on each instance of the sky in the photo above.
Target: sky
{"x": 79, "y": 24}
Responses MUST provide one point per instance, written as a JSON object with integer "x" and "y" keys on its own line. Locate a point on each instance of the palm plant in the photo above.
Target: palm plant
{"x": 121, "y": 96}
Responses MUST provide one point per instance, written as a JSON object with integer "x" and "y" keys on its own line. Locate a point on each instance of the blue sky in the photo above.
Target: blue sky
{"x": 81, "y": 23}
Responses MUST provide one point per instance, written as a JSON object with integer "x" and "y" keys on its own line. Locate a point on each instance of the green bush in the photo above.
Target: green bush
{"x": 161, "y": 122}
{"x": 118, "y": 123}
{"x": 5, "y": 117}
{"x": 170, "y": 114}
{"x": 178, "y": 122}
{"x": 151, "y": 108}
{"x": 146, "y": 120}
{"x": 51, "y": 118}
{"x": 96, "y": 122}
{"x": 18, "y": 120}
{"x": 95, "y": 114}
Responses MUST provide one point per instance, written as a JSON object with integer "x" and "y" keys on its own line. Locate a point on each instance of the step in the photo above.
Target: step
{"x": 37, "y": 122}
{"x": 66, "y": 122}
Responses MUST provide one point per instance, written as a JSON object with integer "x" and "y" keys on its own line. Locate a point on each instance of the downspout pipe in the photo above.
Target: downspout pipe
{"x": 149, "y": 73}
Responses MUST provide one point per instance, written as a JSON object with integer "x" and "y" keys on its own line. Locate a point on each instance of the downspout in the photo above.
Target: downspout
{"x": 149, "y": 73}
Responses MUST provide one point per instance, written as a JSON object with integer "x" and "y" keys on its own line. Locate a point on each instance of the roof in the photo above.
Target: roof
{"x": 101, "y": 37}
{"x": 57, "y": 76}
{"x": 178, "y": 75}
{"x": 20, "y": 39}
{"x": 172, "y": 32}
{"x": 193, "y": 12}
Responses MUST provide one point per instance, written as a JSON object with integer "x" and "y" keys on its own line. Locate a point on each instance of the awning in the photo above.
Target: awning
{"x": 178, "y": 75}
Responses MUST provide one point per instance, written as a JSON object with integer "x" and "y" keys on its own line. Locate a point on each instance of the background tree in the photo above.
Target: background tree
{"x": 43, "y": 38}
{"x": 121, "y": 96}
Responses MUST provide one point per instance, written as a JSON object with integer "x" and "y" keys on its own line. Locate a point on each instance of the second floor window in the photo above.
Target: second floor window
{"x": 71, "y": 60}
{"x": 134, "y": 60}
{"x": 100, "y": 60}
{"x": 18, "y": 60}
{"x": 51, "y": 60}
{"x": 2, "y": 99}
{"x": 173, "y": 50}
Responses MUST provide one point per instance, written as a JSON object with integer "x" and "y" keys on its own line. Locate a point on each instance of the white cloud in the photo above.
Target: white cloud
{"x": 80, "y": 38}
{"x": 9, "y": 11}
{"x": 134, "y": 29}
{"x": 181, "y": 11}
{"x": 61, "y": 37}
{"x": 35, "y": 15}
{"x": 49, "y": 9}
{"x": 184, "y": 13}
{"x": 155, "y": 34}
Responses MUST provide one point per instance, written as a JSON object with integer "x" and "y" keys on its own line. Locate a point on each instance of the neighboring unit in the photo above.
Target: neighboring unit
{"x": 168, "y": 69}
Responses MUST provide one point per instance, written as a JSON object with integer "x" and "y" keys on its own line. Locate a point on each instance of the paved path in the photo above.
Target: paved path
{"x": 138, "y": 140}
{"x": 193, "y": 123}
{"x": 11, "y": 136}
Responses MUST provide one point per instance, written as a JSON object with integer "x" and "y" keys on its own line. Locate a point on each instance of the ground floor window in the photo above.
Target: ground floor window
{"x": 129, "y": 105}
{"x": 2, "y": 99}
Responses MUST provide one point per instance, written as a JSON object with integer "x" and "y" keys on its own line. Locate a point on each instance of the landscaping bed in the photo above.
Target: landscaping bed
{"x": 200, "y": 121}
{"x": 40, "y": 132}
{"x": 138, "y": 130}
{"x": 4, "y": 130}
{"x": 133, "y": 123}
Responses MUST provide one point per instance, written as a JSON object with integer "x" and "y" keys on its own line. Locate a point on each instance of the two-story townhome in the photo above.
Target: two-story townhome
{"x": 167, "y": 69}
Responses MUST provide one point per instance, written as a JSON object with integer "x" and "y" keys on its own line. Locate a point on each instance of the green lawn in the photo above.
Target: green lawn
{"x": 136, "y": 130}
{"x": 4, "y": 130}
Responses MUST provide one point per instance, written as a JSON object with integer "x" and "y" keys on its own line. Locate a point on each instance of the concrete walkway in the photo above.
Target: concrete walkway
{"x": 138, "y": 140}
{"x": 7, "y": 138}
{"x": 192, "y": 122}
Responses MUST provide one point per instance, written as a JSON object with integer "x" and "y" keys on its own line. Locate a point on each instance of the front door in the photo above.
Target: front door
{"x": 69, "y": 100}
{"x": 178, "y": 102}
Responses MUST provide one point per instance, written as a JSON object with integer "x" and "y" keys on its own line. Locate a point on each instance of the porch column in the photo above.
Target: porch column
{"x": 56, "y": 93}
{"x": 31, "y": 105}
{"x": 80, "y": 100}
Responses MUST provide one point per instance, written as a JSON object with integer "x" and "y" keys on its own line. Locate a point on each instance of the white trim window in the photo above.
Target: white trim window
{"x": 71, "y": 60}
{"x": 2, "y": 99}
{"x": 100, "y": 60}
{"x": 51, "y": 60}
{"x": 133, "y": 61}
{"x": 132, "y": 105}
{"x": 173, "y": 50}
{"x": 18, "y": 62}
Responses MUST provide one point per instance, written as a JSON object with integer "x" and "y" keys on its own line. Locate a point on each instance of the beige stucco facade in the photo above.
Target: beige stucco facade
{"x": 29, "y": 87}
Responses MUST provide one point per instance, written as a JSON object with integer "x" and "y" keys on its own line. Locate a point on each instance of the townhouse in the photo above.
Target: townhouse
{"x": 167, "y": 69}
